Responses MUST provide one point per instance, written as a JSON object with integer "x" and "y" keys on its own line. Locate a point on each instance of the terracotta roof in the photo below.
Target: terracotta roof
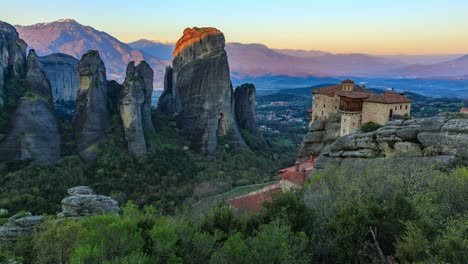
{"x": 335, "y": 89}
{"x": 347, "y": 81}
{"x": 298, "y": 176}
{"x": 387, "y": 98}
{"x": 355, "y": 95}
{"x": 253, "y": 201}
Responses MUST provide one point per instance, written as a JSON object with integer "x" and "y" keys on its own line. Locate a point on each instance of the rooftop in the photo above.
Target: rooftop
{"x": 253, "y": 201}
{"x": 298, "y": 173}
{"x": 389, "y": 97}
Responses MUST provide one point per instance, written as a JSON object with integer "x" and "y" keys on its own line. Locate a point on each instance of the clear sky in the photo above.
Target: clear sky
{"x": 367, "y": 26}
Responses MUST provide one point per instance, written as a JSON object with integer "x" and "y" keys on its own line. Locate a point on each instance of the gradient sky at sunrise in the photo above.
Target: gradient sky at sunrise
{"x": 379, "y": 27}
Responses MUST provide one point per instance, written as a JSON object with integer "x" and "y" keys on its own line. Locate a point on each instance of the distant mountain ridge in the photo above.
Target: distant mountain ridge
{"x": 266, "y": 67}
{"x": 70, "y": 37}
{"x": 448, "y": 69}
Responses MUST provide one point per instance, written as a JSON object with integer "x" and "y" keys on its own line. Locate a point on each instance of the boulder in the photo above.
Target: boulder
{"x": 21, "y": 224}
{"x": 91, "y": 105}
{"x": 244, "y": 98}
{"x": 83, "y": 202}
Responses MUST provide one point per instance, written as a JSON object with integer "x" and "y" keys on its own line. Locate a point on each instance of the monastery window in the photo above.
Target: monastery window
{"x": 354, "y": 124}
{"x": 336, "y": 107}
{"x": 406, "y": 107}
{"x": 323, "y": 105}
{"x": 395, "y": 107}
{"x": 401, "y": 106}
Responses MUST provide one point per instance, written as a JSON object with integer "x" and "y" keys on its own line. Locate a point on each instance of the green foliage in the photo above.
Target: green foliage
{"x": 370, "y": 126}
{"x": 105, "y": 237}
{"x": 54, "y": 244}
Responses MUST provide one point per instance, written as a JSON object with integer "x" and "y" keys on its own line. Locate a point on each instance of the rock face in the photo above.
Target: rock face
{"x": 91, "y": 105}
{"x": 61, "y": 71}
{"x": 202, "y": 90}
{"x": 18, "y": 225}
{"x": 244, "y": 98}
{"x": 166, "y": 103}
{"x": 441, "y": 139}
{"x": 35, "y": 133}
{"x": 83, "y": 202}
{"x": 321, "y": 133}
{"x": 12, "y": 56}
{"x": 135, "y": 106}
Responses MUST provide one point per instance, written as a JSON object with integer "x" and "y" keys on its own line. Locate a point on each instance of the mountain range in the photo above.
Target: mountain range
{"x": 70, "y": 37}
{"x": 247, "y": 62}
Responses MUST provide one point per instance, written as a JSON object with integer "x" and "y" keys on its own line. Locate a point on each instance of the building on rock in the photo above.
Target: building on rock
{"x": 357, "y": 106}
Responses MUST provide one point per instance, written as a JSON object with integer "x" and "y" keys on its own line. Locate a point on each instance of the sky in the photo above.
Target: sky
{"x": 346, "y": 26}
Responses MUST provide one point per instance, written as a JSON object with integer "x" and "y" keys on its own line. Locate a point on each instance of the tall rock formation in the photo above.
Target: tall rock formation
{"x": 35, "y": 133}
{"x": 202, "y": 90}
{"x": 135, "y": 106}
{"x": 244, "y": 98}
{"x": 91, "y": 105}
{"x": 12, "y": 56}
{"x": 61, "y": 71}
{"x": 166, "y": 103}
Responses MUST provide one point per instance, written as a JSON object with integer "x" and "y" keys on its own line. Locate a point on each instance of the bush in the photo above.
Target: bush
{"x": 370, "y": 126}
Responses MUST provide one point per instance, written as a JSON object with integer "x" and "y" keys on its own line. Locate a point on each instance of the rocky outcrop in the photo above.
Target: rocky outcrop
{"x": 202, "y": 90}
{"x": 83, "y": 202}
{"x": 21, "y": 224}
{"x": 135, "y": 106}
{"x": 61, "y": 71}
{"x": 12, "y": 56}
{"x": 434, "y": 140}
{"x": 35, "y": 133}
{"x": 244, "y": 98}
{"x": 321, "y": 133}
{"x": 166, "y": 103}
{"x": 91, "y": 105}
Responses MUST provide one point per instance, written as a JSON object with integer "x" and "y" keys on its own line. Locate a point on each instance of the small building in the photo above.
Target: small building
{"x": 357, "y": 106}
{"x": 464, "y": 110}
{"x": 253, "y": 201}
{"x": 294, "y": 177}
{"x": 291, "y": 178}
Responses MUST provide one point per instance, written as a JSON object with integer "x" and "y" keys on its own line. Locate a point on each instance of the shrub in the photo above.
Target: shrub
{"x": 370, "y": 126}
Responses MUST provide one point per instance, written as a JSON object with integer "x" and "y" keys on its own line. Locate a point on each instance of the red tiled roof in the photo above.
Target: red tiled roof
{"x": 355, "y": 95}
{"x": 298, "y": 176}
{"x": 254, "y": 201}
{"x": 335, "y": 89}
{"x": 387, "y": 98}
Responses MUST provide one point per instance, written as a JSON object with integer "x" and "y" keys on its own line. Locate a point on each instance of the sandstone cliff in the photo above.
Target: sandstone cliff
{"x": 12, "y": 56}
{"x": 34, "y": 130}
{"x": 202, "y": 90}
{"x": 91, "y": 105}
{"x": 61, "y": 71}
{"x": 244, "y": 98}
{"x": 428, "y": 141}
{"x": 166, "y": 103}
{"x": 321, "y": 133}
{"x": 135, "y": 106}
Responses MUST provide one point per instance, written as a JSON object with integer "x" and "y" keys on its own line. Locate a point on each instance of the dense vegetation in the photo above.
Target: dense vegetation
{"x": 168, "y": 177}
{"x": 336, "y": 219}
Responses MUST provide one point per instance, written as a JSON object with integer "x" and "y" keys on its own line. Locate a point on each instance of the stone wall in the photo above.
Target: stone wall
{"x": 380, "y": 113}
{"x": 324, "y": 106}
{"x": 350, "y": 122}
